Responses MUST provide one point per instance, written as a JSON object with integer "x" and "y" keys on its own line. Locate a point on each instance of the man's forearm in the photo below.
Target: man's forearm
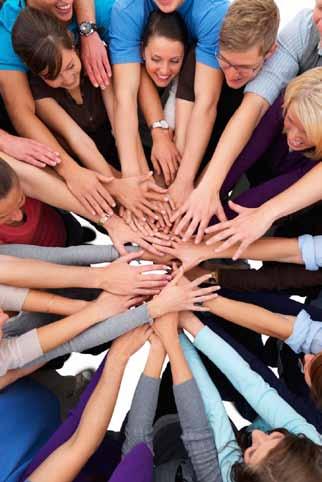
{"x": 252, "y": 317}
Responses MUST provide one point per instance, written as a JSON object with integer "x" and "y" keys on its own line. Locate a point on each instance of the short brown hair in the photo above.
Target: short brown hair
{"x": 316, "y": 380}
{"x": 38, "y": 38}
{"x": 249, "y": 23}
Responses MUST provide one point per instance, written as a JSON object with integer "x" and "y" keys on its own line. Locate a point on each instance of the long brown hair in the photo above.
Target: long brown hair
{"x": 38, "y": 38}
{"x": 316, "y": 380}
{"x": 294, "y": 459}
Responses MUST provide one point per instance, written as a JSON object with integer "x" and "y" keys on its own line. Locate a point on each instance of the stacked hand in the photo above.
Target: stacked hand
{"x": 121, "y": 278}
{"x": 108, "y": 304}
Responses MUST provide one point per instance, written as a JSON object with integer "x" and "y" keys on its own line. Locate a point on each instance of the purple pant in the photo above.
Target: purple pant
{"x": 284, "y": 168}
{"x": 106, "y": 458}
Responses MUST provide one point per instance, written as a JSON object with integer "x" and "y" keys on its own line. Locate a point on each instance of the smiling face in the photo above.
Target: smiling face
{"x": 69, "y": 75}
{"x": 297, "y": 138}
{"x": 262, "y": 444}
{"x": 61, "y": 9}
{"x": 168, "y": 6}
{"x": 163, "y": 59}
{"x": 240, "y": 68}
{"x": 317, "y": 16}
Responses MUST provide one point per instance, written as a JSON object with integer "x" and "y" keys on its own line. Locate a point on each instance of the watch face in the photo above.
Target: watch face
{"x": 86, "y": 27}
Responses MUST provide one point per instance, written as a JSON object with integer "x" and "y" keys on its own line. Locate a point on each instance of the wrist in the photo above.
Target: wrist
{"x": 155, "y": 308}
{"x": 184, "y": 178}
{"x": 158, "y": 133}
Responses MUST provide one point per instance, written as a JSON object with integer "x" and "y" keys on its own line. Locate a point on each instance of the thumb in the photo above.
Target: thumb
{"x": 120, "y": 248}
{"x": 177, "y": 277}
{"x": 105, "y": 179}
{"x": 127, "y": 258}
{"x": 237, "y": 208}
{"x": 145, "y": 177}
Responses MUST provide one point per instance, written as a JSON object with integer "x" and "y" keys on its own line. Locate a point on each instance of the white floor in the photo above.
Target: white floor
{"x": 77, "y": 362}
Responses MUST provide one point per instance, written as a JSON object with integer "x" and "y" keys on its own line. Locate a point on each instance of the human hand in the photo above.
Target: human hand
{"x": 122, "y": 234}
{"x": 121, "y": 278}
{"x": 95, "y": 60}
{"x": 126, "y": 345}
{"x": 249, "y": 225}
{"x": 137, "y": 194}
{"x": 28, "y": 150}
{"x": 165, "y": 156}
{"x": 179, "y": 192}
{"x": 188, "y": 253}
{"x": 87, "y": 186}
{"x": 197, "y": 211}
{"x": 181, "y": 295}
{"x": 147, "y": 227}
{"x": 109, "y": 304}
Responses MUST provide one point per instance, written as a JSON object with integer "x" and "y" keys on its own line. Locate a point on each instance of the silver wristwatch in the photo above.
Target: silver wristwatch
{"x": 160, "y": 124}
{"x": 87, "y": 28}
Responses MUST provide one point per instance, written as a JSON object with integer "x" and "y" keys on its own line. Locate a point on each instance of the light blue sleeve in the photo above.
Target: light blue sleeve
{"x": 307, "y": 335}
{"x": 103, "y": 9}
{"x": 263, "y": 399}
{"x": 227, "y": 447}
{"x": 9, "y": 60}
{"x": 126, "y": 27}
{"x": 209, "y": 19}
{"x": 284, "y": 65}
{"x": 311, "y": 251}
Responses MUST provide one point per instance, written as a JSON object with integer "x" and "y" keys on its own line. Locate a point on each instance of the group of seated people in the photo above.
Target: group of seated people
{"x": 190, "y": 133}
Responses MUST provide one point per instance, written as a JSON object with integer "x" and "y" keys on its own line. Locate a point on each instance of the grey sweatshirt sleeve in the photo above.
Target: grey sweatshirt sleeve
{"x": 102, "y": 332}
{"x": 197, "y": 435}
{"x": 74, "y": 255}
{"x": 11, "y": 298}
{"x": 139, "y": 427}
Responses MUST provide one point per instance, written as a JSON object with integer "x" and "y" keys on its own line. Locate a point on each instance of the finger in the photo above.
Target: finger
{"x": 197, "y": 308}
{"x": 97, "y": 74}
{"x": 168, "y": 250}
{"x": 227, "y": 244}
{"x": 103, "y": 74}
{"x": 201, "y": 230}
{"x": 221, "y": 213}
{"x": 156, "y": 166}
{"x": 90, "y": 74}
{"x": 33, "y": 162}
{"x": 237, "y": 207}
{"x": 151, "y": 249}
{"x": 146, "y": 210}
{"x": 119, "y": 246}
{"x": 200, "y": 280}
{"x": 158, "y": 189}
{"x": 134, "y": 301}
{"x": 241, "y": 249}
{"x": 87, "y": 205}
{"x": 153, "y": 284}
{"x": 205, "y": 291}
{"x": 131, "y": 257}
{"x": 105, "y": 179}
{"x": 145, "y": 292}
{"x": 166, "y": 173}
{"x": 152, "y": 267}
{"x": 218, "y": 227}
{"x": 157, "y": 241}
{"x": 106, "y": 195}
{"x": 44, "y": 156}
{"x": 107, "y": 66}
{"x": 202, "y": 299}
{"x": 183, "y": 223}
{"x": 145, "y": 177}
{"x": 226, "y": 233}
{"x": 177, "y": 277}
{"x": 191, "y": 229}
{"x": 94, "y": 199}
{"x": 154, "y": 196}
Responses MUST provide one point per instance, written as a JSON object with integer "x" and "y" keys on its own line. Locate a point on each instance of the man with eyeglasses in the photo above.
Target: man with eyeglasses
{"x": 298, "y": 50}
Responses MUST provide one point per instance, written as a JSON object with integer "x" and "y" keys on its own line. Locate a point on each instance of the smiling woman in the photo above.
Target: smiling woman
{"x": 62, "y": 9}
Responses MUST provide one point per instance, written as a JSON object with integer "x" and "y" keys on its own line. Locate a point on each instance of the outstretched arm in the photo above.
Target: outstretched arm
{"x": 253, "y": 317}
{"x": 67, "y": 460}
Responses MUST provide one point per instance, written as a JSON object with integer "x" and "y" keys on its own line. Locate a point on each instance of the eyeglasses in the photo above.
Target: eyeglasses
{"x": 241, "y": 69}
